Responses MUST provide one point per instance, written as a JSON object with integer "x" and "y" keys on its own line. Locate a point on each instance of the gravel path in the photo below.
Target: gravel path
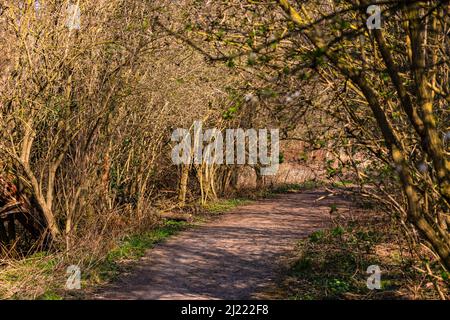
{"x": 237, "y": 256}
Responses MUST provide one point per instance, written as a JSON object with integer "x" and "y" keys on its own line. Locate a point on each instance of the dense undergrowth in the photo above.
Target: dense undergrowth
{"x": 43, "y": 274}
{"x": 332, "y": 263}
{"x": 329, "y": 264}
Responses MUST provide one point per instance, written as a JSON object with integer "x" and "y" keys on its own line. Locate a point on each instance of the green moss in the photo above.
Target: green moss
{"x": 337, "y": 231}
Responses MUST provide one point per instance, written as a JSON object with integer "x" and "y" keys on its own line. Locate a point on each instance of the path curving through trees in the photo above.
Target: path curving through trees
{"x": 237, "y": 256}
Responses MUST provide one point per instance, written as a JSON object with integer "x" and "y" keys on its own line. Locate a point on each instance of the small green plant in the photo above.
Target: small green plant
{"x": 387, "y": 284}
{"x": 337, "y": 231}
{"x": 317, "y": 236}
{"x": 338, "y": 286}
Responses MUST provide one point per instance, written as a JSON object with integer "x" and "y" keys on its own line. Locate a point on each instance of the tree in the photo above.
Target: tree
{"x": 391, "y": 85}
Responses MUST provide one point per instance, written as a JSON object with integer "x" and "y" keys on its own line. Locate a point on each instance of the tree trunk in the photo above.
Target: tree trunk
{"x": 259, "y": 178}
{"x": 183, "y": 184}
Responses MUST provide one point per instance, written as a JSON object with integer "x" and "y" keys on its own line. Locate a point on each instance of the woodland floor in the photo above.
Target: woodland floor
{"x": 238, "y": 255}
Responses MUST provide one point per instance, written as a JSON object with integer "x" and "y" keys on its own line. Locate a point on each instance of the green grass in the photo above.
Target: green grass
{"x": 337, "y": 231}
{"x": 342, "y": 183}
{"x": 50, "y": 295}
{"x": 30, "y": 278}
{"x": 225, "y": 205}
{"x": 133, "y": 247}
{"x": 332, "y": 263}
{"x": 46, "y": 272}
{"x": 294, "y": 187}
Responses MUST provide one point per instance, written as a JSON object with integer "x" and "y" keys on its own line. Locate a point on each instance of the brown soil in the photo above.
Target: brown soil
{"x": 237, "y": 256}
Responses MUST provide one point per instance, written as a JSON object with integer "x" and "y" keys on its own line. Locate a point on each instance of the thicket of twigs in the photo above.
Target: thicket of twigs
{"x": 86, "y": 119}
{"x": 86, "y": 114}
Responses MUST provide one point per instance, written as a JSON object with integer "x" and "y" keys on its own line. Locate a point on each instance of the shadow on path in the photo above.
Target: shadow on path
{"x": 234, "y": 257}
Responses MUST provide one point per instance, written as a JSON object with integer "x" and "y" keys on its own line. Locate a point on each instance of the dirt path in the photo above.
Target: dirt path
{"x": 234, "y": 257}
